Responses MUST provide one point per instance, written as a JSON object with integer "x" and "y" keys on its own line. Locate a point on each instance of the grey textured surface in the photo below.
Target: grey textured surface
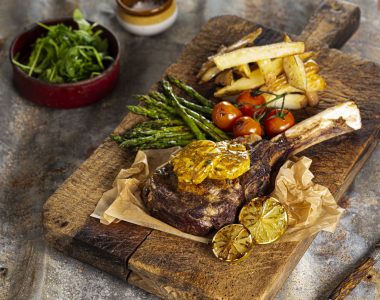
{"x": 40, "y": 147}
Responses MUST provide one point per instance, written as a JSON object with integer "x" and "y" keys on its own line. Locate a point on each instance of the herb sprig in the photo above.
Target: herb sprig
{"x": 66, "y": 55}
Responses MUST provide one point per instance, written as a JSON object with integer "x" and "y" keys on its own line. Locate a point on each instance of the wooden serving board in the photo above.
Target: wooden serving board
{"x": 172, "y": 267}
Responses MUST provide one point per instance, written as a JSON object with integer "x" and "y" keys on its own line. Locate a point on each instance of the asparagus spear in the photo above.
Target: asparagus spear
{"x": 160, "y": 97}
{"x": 202, "y": 126}
{"x": 117, "y": 138}
{"x": 136, "y": 132}
{"x": 164, "y": 143}
{"x": 153, "y": 138}
{"x": 155, "y": 103}
{"x": 155, "y": 124}
{"x": 198, "y": 108}
{"x": 157, "y": 144}
{"x": 190, "y": 91}
{"x": 164, "y": 112}
{"x": 211, "y": 127}
{"x": 181, "y": 111}
{"x": 148, "y": 111}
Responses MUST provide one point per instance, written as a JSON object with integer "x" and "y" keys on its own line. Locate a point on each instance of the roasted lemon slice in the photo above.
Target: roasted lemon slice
{"x": 234, "y": 161}
{"x": 232, "y": 242}
{"x": 265, "y": 218}
{"x": 206, "y": 159}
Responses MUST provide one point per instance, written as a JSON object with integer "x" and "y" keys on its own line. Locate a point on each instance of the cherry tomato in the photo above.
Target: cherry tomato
{"x": 245, "y": 126}
{"x": 225, "y": 114}
{"x": 278, "y": 121}
{"x": 247, "y": 104}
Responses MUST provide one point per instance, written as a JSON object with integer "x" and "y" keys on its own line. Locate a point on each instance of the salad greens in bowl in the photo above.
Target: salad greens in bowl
{"x": 65, "y": 63}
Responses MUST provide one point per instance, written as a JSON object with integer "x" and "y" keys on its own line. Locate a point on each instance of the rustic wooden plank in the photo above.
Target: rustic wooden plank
{"x": 174, "y": 269}
{"x": 68, "y": 208}
{"x": 188, "y": 270}
{"x": 185, "y": 269}
{"x": 108, "y": 247}
{"x": 69, "y": 229}
{"x": 68, "y": 226}
{"x": 199, "y": 275}
{"x": 332, "y": 25}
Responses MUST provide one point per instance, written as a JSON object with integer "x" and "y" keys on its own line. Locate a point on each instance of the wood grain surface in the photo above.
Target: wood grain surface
{"x": 172, "y": 267}
{"x": 67, "y": 222}
{"x": 332, "y": 25}
{"x": 349, "y": 283}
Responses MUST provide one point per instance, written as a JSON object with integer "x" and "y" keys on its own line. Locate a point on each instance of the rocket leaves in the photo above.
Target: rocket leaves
{"x": 80, "y": 20}
{"x": 67, "y": 55}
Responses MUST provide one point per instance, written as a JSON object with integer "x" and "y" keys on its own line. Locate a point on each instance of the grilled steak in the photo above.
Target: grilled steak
{"x": 197, "y": 209}
{"x": 210, "y": 204}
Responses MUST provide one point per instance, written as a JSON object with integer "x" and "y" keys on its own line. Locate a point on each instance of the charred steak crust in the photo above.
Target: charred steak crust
{"x": 266, "y": 159}
{"x": 214, "y": 203}
{"x": 211, "y": 204}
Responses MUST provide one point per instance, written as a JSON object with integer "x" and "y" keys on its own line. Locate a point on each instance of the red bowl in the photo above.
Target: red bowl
{"x": 64, "y": 95}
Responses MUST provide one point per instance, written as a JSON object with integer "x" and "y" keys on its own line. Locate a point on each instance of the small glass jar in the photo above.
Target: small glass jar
{"x": 146, "y": 17}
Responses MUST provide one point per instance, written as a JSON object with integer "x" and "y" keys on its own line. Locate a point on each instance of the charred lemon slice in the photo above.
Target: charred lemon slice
{"x": 232, "y": 242}
{"x": 234, "y": 161}
{"x": 206, "y": 159}
{"x": 265, "y": 218}
{"x": 194, "y": 162}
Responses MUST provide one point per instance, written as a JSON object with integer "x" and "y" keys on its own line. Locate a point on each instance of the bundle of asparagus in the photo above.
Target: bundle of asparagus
{"x": 176, "y": 121}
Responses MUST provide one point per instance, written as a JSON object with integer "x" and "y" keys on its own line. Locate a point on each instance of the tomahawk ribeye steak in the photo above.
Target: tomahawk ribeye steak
{"x": 214, "y": 203}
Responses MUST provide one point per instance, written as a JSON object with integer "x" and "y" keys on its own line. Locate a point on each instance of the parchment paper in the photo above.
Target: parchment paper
{"x": 311, "y": 207}
{"x": 123, "y": 201}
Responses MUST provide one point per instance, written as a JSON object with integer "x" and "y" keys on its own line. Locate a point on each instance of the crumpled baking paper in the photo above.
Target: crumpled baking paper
{"x": 123, "y": 201}
{"x": 311, "y": 207}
